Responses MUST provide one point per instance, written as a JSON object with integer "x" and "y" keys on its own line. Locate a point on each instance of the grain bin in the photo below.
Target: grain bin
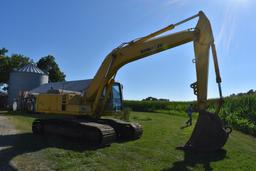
{"x": 25, "y": 79}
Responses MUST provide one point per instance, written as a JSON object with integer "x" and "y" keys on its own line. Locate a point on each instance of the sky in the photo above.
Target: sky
{"x": 81, "y": 33}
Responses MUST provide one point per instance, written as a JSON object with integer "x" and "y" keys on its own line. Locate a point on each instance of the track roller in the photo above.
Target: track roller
{"x": 125, "y": 131}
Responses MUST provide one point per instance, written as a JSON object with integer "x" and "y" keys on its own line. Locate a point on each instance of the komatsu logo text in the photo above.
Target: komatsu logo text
{"x": 151, "y": 48}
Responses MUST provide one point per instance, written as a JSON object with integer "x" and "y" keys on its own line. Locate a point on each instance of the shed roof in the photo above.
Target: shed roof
{"x": 30, "y": 68}
{"x": 77, "y": 86}
{"x": 2, "y": 93}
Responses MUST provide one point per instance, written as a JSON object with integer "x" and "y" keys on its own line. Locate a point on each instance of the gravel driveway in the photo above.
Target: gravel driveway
{"x": 6, "y": 129}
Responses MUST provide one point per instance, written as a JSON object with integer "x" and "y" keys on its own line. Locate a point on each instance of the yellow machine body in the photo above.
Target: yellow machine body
{"x": 60, "y": 104}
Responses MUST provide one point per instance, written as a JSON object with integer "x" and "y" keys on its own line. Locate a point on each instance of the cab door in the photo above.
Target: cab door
{"x": 115, "y": 101}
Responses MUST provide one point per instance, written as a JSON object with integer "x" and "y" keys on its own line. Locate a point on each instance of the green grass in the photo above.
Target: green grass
{"x": 154, "y": 151}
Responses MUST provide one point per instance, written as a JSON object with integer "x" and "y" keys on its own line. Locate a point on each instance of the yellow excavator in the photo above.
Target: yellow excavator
{"x": 103, "y": 96}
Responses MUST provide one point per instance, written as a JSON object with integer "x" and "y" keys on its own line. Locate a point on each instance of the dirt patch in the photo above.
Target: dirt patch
{"x": 6, "y": 129}
{"x": 20, "y": 149}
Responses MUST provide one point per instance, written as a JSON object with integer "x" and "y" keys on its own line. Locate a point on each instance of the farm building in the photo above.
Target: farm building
{"x": 3, "y": 100}
{"x": 72, "y": 86}
{"x": 25, "y": 79}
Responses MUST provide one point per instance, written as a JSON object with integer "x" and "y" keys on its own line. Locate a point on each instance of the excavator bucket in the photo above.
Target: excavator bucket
{"x": 209, "y": 133}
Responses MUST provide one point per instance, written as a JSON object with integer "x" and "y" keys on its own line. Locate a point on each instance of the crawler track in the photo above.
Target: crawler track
{"x": 90, "y": 132}
{"x": 98, "y": 132}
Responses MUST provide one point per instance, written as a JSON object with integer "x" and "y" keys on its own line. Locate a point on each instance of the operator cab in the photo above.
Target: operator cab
{"x": 115, "y": 102}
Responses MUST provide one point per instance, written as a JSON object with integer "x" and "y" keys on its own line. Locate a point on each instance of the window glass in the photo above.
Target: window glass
{"x": 117, "y": 102}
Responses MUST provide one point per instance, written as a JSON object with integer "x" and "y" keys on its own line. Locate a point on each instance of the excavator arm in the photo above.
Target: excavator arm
{"x": 128, "y": 53}
{"x": 146, "y": 46}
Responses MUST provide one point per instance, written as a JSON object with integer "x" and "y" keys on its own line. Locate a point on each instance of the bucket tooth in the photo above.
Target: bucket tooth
{"x": 209, "y": 133}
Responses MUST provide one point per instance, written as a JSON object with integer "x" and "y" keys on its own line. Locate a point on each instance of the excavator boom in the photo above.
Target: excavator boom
{"x": 201, "y": 36}
{"x": 209, "y": 133}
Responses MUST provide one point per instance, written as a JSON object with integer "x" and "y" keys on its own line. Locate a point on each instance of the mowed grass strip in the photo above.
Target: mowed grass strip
{"x": 154, "y": 151}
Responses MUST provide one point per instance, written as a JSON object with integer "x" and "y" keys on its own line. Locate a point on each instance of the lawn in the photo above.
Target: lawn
{"x": 154, "y": 151}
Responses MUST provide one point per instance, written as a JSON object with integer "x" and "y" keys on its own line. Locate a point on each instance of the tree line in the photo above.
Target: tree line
{"x": 14, "y": 61}
{"x": 250, "y": 92}
{"x": 155, "y": 99}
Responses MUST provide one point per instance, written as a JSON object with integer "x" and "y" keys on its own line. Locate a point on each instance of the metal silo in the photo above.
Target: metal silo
{"x": 25, "y": 79}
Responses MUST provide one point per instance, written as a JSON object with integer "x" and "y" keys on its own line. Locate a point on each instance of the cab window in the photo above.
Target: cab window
{"x": 116, "y": 97}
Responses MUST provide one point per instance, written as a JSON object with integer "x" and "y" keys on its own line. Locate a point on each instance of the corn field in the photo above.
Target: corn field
{"x": 238, "y": 111}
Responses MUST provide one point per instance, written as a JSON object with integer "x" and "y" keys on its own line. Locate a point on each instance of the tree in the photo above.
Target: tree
{"x": 164, "y": 100}
{"x": 8, "y": 64}
{"x": 150, "y": 99}
{"x": 48, "y": 64}
{"x": 3, "y": 51}
{"x": 250, "y": 91}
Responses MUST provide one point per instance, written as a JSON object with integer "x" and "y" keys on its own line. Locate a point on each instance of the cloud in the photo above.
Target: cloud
{"x": 172, "y": 2}
{"x": 175, "y": 2}
{"x": 226, "y": 36}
